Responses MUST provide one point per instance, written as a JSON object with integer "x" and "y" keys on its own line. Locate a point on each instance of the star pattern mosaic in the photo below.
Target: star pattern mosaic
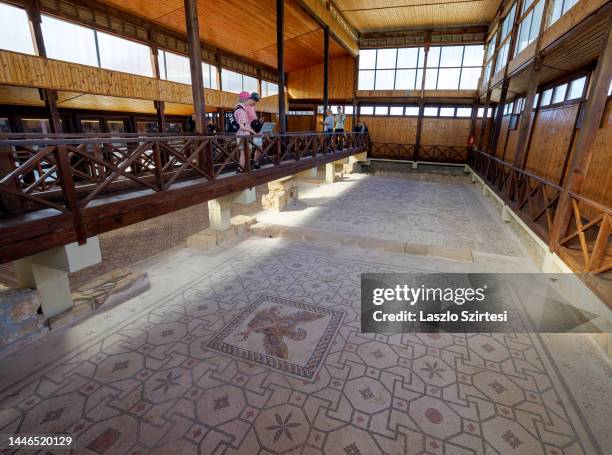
{"x": 155, "y": 385}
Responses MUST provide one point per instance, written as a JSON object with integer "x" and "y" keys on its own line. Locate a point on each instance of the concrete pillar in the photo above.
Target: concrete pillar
{"x": 415, "y": 165}
{"x": 48, "y": 272}
{"x": 330, "y": 172}
{"x": 308, "y": 173}
{"x": 550, "y": 264}
{"x": 358, "y": 157}
{"x": 219, "y": 213}
{"x": 474, "y": 179}
{"x": 247, "y": 196}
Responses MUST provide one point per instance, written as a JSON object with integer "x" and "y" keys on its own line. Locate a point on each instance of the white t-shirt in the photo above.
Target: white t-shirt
{"x": 340, "y": 120}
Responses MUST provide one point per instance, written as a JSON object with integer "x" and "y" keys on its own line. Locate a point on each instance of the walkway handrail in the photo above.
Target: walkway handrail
{"x": 586, "y": 243}
{"x": 67, "y": 173}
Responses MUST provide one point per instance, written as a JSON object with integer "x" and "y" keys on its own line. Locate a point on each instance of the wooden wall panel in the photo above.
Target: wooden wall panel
{"x": 308, "y": 83}
{"x": 31, "y": 71}
{"x": 501, "y": 140}
{"x": 511, "y": 145}
{"x": 598, "y": 182}
{"x": 301, "y": 123}
{"x": 445, "y": 131}
{"x": 550, "y": 141}
{"x": 394, "y": 130}
{"x": 485, "y": 138}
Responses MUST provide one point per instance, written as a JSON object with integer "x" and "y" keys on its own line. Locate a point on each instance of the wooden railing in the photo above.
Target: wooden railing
{"x": 410, "y": 152}
{"x": 68, "y": 171}
{"x": 585, "y": 245}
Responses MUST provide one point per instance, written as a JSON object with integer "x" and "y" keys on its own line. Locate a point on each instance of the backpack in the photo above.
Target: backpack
{"x": 232, "y": 125}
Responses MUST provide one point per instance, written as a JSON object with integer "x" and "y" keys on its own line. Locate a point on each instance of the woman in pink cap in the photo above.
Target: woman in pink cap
{"x": 244, "y": 114}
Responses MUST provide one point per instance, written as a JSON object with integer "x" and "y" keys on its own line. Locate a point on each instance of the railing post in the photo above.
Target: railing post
{"x": 69, "y": 193}
{"x": 158, "y": 166}
{"x": 9, "y": 202}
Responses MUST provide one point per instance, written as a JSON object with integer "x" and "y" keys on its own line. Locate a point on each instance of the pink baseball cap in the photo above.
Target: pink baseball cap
{"x": 244, "y": 95}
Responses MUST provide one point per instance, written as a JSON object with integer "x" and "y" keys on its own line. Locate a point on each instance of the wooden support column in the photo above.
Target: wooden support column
{"x": 355, "y": 84}
{"x": 524, "y": 128}
{"x": 47, "y": 95}
{"x": 159, "y": 105}
{"x": 195, "y": 64}
{"x": 280, "y": 53}
{"x": 160, "y": 108}
{"x": 325, "y": 69}
{"x": 499, "y": 115}
{"x": 485, "y": 119}
{"x": 583, "y": 152}
{"x": 417, "y": 142}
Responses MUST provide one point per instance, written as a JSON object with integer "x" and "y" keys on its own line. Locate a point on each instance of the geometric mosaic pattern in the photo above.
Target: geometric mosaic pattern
{"x": 447, "y": 215}
{"x": 153, "y": 384}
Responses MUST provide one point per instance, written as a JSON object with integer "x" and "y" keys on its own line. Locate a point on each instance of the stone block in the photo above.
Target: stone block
{"x": 280, "y": 195}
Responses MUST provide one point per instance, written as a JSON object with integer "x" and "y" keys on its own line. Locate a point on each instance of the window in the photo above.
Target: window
{"x": 69, "y": 42}
{"x": 481, "y": 112}
{"x": 535, "y": 100}
{"x": 454, "y": 67}
{"x": 209, "y": 75}
{"x": 447, "y": 112}
{"x": 381, "y": 110}
{"x": 115, "y": 126}
{"x": 576, "y": 88}
{"x": 560, "y": 7}
{"x": 430, "y": 112}
{"x": 36, "y": 125}
{"x": 506, "y": 27}
{"x": 411, "y": 111}
{"x": 546, "y": 97}
{"x": 559, "y": 94}
{"x": 123, "y": 55}
{"x": 91, "y": 126}
{"x": 235, "y": 82}
{"x": 396, "y": 110}
{"x": 464, "y": 112}
{"x": 174, "y": 67}
{"x": 366, "y": 110}
{"x": 250, "y": 84}
{"x": 530, "y": 24}
{"x": 391, "y": 69}
{"x": 269, "y": 88}
{"x": 15, "y": 30}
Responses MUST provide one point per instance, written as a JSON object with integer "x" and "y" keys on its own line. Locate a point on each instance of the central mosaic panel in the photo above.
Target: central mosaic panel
{"x": 289, "y": 336}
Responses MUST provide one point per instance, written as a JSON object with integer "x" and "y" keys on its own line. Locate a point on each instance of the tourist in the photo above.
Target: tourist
{"x": 256, "y": 124}
{"x": 211, "y": 128}
{"x": 328, "y": 122}
{"x": 339, "y": 128}
{"x": 241, "y": 116}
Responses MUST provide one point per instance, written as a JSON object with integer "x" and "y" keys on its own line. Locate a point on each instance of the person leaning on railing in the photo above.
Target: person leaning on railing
{"x": 242, "y": 118}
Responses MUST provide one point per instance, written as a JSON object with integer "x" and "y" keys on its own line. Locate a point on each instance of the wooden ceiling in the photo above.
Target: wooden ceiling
{"x": 246, "y": 28}
{"x": 377, "y": 15}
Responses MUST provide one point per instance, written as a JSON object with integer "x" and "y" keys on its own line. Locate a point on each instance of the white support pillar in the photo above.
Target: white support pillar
{"x": 415, "y": 165}
{"x": 247, "y": 196}
{"x": 48, "y": 272}
{"x": 219, "y": 213}
{"x": 330, "y": 172}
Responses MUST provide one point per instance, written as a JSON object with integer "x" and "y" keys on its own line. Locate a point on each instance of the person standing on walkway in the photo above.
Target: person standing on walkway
{"x": 241, "y": 116}
{"x": 328, "y": 122}
{"x": 339, "y": 128}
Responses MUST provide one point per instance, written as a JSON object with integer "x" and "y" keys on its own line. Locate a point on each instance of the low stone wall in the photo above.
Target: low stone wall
{"x": 19, "y": 318}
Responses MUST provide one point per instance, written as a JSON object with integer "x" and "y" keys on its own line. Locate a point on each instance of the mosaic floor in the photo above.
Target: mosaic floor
{"x": 264, "y": 355}
{"x": 415, "y": 211}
